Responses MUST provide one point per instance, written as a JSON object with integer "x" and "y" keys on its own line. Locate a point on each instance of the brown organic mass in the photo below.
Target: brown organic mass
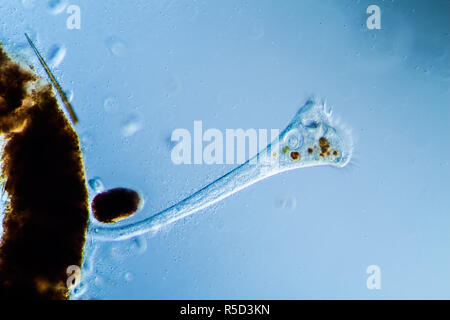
{"x": 115, "y": 204}
{"x": 46, "y": 217}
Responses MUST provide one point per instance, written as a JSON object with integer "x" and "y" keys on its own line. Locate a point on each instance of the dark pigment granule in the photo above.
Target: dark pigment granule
{"x": 115, "y": 204}
{"x": 42, "y": 172}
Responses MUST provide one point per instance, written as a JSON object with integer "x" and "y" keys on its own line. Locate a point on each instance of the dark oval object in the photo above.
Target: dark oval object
{"x": 115, "y": 204}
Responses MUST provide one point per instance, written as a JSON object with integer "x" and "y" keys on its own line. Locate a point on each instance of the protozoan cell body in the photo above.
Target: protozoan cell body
{"x": 310, "y": 139}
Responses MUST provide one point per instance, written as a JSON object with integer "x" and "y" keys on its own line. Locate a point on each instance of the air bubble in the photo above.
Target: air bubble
{"x": 131, "y": 125}
{"x": 287, "y": 203}
{"x": 128, "y": 276}
{"x": 116, "y": 46}
{"x": 257, "y": 31}
{"x": 70, "y": 96}
{"x": 56, "y": 55}
{"x": 56, "y": 6}
{"x": 111, "y": 105}
{"x": 96, "y": 185}
{"x": 87, "y": 142}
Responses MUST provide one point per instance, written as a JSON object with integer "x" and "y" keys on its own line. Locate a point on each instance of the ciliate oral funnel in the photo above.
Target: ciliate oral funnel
{"x": 310, "y": 139}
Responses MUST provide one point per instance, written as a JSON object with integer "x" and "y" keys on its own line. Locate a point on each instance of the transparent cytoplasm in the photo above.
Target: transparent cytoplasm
{"x": 311, "y": 139}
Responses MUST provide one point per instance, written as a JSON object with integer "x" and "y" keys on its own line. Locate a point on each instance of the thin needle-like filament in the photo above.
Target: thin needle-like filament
{"x": 62, "y": 94}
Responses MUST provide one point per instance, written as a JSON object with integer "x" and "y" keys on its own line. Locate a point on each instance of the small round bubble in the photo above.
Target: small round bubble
{"x": 128, "y": 276}
{"x": 96, "y": 185}
{"x": 56, "y": 6}
{"x": 111, "y": 105}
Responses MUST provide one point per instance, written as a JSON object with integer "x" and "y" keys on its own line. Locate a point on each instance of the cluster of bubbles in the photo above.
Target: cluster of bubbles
{"x": 132, "y": 122}
{"x": 103, "y": 266}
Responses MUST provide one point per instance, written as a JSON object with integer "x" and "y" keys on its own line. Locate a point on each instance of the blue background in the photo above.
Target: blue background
{"x": 311, "y": 233}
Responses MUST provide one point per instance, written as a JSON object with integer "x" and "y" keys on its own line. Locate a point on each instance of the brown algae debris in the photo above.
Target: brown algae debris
{"x": 47, "y": 211}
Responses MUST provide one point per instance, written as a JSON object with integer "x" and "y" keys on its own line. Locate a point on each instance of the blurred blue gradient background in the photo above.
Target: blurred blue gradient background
{"x": 159, "y": 65}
